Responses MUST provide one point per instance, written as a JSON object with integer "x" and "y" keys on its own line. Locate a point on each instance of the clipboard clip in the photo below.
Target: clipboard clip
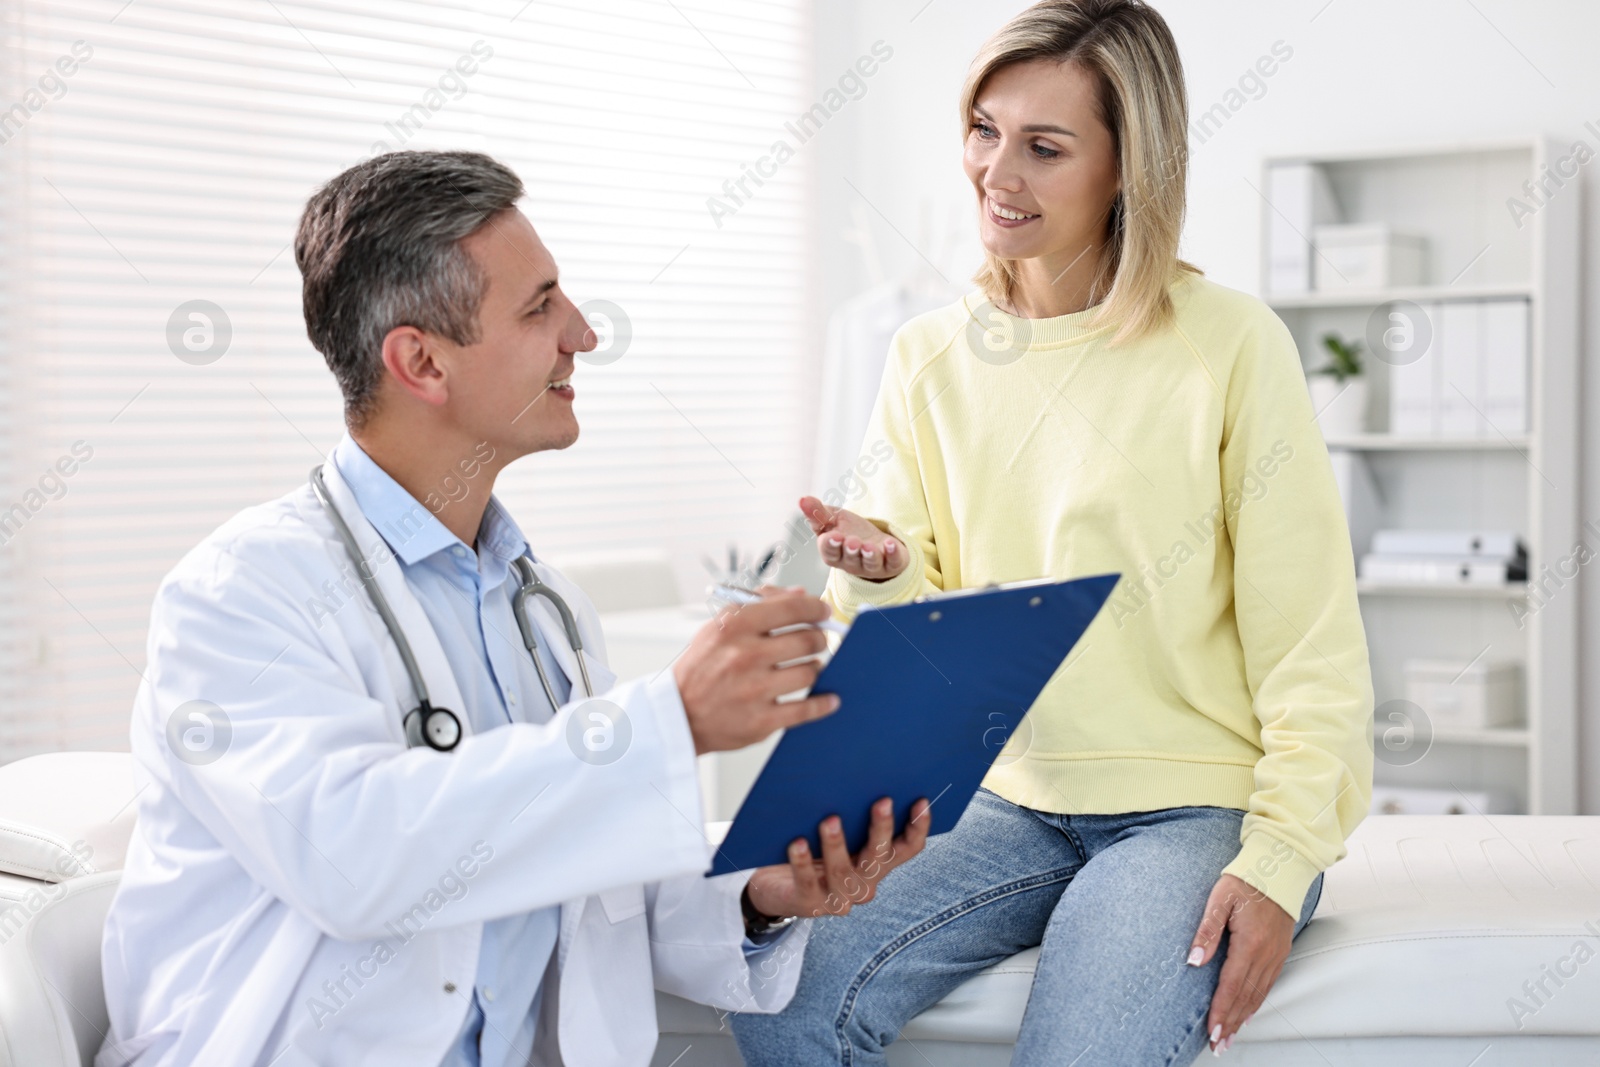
{"x": 988, "y": 587}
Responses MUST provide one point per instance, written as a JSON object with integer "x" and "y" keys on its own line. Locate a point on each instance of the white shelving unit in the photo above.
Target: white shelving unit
{"x": 1385, "y": 442}
{"x": 1355, "y": 298}
{"x": 1458, "y": 197}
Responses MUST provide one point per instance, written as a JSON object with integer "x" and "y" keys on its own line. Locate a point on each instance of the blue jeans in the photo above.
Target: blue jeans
{"x": 1114, "y": 900}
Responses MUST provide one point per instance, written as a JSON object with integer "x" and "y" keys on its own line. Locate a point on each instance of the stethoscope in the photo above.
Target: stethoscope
{"x": 439, "y": 728}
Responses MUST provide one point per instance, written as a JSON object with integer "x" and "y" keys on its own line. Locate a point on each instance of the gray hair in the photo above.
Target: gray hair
{"x": 379, "y": 247}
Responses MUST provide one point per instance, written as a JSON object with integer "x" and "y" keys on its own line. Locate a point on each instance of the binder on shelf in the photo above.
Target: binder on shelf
{"x": 1442, "y": 570}
{"x": 1302, "y": 199}
{"x": 1505, "y": 367}
{"x": 1472, "y": 381}
{"x": 1458, "y": 342}
{"x": 1495, "y": 544}
{"x": 1446, "y": 557}
{"x": 1413, "y": 386}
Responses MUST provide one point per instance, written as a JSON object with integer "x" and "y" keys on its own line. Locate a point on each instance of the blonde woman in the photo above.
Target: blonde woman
{"x": 1161, "y": 822}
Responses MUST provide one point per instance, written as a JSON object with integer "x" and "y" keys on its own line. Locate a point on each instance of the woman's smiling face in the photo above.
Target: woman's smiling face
{"x": 1041, "y": 161}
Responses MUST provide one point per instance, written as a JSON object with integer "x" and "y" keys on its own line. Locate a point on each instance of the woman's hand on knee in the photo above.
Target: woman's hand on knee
{"x": 853, "y": 544}
{"x": 1259, "y": 935}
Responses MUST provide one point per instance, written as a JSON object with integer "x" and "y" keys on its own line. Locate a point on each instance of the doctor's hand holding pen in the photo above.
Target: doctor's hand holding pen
{"x": 853, "y": 544}
{"x": 739, "y": 664}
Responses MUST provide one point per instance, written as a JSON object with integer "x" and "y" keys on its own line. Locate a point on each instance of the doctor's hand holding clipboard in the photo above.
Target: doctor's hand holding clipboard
{"x": 758, "y": 652}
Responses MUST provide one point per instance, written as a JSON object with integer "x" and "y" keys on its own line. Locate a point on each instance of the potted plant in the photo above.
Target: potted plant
{"x": 1339, "y": 389}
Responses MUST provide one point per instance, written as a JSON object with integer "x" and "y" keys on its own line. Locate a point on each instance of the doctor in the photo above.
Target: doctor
{"x": 307, "y": 888}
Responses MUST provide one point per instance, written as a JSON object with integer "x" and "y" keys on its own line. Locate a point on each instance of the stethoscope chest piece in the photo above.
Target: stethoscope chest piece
{"x": 438, "y": 728}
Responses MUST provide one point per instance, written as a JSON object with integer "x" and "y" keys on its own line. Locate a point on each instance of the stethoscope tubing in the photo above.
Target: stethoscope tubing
{"x": 390, "y": 623}
{"x": 529, "y": 584}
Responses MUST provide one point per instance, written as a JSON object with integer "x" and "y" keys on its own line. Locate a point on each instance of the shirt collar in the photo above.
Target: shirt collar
{"x": 412, "y": 531}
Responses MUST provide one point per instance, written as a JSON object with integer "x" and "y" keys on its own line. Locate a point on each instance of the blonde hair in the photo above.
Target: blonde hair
{"x": 1128, "y": 49}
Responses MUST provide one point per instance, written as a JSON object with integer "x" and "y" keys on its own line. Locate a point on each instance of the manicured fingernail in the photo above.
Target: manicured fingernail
{"x": 1247, "y": 1019}
{"x": 890, "y": 548}
{"x": 1216, "y": 1033}
{"x": 1196, "y": 954}
{"x": 833, "y": 827}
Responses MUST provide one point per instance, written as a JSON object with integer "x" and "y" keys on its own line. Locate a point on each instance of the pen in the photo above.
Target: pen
{"x": 732, "y": 594}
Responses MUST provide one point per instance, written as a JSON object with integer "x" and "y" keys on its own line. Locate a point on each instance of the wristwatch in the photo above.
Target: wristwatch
{"x": 755, "y": 922}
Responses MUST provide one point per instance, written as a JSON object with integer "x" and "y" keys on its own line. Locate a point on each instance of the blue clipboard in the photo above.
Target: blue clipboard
{"x": 929, "y": 693}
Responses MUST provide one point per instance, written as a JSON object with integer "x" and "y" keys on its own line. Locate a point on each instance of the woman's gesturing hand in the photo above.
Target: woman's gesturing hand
{"x": 853, "y": 544}
{"x": 1259, "y": 936}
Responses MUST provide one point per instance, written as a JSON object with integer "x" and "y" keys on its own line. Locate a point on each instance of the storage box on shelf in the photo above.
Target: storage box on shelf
{"x": 1466, "y": 696}
{"x": 1471, "y": 425}
{"x": 1367, "y": 256}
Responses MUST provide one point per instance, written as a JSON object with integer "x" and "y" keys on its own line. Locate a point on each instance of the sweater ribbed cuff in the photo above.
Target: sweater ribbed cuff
{"x": 1276, "y": 869}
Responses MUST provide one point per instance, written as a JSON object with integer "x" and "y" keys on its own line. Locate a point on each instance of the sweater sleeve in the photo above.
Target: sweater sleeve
{"x": 1305, "y": 650}
{"x": 893, "y": 498}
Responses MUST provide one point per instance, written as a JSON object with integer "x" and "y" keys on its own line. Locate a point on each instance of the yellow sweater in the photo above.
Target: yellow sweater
{"x": 1229, "y": 667}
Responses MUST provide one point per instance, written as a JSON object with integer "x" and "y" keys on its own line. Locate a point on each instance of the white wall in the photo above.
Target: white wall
{"x": 1362, "y": 73}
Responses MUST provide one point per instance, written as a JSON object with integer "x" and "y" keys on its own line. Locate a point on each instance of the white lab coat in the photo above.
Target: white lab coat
{"x": 259, "y": 887}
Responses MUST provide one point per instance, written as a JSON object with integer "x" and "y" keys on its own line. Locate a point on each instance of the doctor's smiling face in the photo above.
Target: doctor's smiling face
{"x": 441, "y": 315}
{"x": 511, "y": 386}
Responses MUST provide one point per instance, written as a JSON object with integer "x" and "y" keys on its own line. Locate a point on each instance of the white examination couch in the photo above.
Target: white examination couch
{"x": 1424, "y": 938}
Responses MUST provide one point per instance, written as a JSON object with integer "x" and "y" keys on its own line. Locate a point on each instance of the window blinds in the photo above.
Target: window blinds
{"x": 157, "y": 153}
